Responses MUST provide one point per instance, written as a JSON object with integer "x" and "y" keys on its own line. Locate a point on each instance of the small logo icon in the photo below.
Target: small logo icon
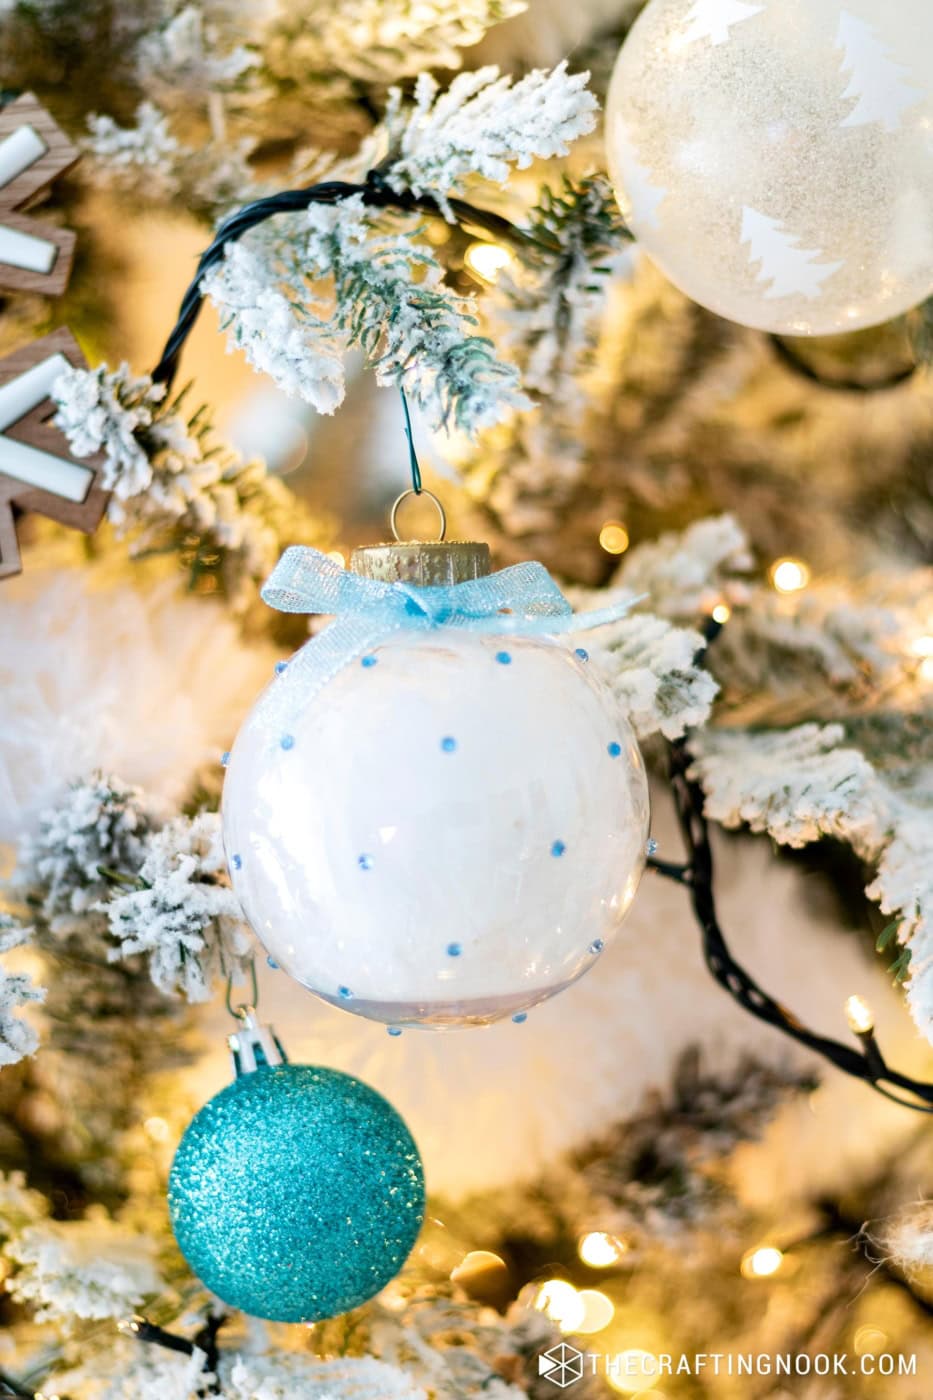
{"x": 562, "y": 1365}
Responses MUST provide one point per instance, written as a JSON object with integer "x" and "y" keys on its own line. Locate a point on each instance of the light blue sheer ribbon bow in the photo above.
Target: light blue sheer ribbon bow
{"x": 521, "y": 601}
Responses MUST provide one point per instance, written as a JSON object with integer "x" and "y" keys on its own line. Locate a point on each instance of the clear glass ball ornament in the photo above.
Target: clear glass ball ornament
{"x": 450, "y": 831}
{"x": 775, "y": 157}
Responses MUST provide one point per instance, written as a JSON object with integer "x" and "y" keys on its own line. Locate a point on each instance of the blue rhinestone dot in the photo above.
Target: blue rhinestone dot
{"x": 504, "y": 658}
{"x": 344, "y": 993}
{"x": 393, "y": 1030}
{"x": 597, "y": 945}
{"x": 365, "y": 861}
{"x": 651, "y": 846}
{"x": 448, "y": 743}
{"x": 520, "y": 1017}
{"x": 368, "y": 661}
{"x": 237, "y": 862}
{"x": 454, "y": 950}
{"x": 225, "y": 758}
{"x": 614, "y": 749}
{"x": 287, "y": 742}
{"x": 280, "y": 666}
{"x": 583, "y": 655}
{"x": 558, "y": 848}
{"x": 271, "y": 962}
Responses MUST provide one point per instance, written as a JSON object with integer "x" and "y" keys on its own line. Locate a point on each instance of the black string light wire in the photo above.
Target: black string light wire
{"x": 377, "y": 193}
{"x": 867, "y": 1062}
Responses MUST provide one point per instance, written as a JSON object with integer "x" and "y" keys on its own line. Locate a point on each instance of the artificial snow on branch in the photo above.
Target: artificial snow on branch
{"x": 91, "y": 1268}
{"x": 387, "y": 297}
{"x": 482, "y": 126}
{"x": 175, "y": 486}
{"x": 106, "y": 872}
{"x": 376, "y": 41}
{"x": 653, "y": 670}
{"x": 546, "y": 306}
{"x": 804, "y": 783}
{"x": 183, "y": 916}
{"x": 17, "y": 989}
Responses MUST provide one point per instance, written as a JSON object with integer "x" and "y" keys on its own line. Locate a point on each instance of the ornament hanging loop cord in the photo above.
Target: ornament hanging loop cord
{"x": 243, "y": 1008}
{"x": 413, "y": 462}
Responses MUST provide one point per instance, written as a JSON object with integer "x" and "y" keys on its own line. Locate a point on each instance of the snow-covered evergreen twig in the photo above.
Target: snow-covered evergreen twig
{"x": 388, "y": 298}
{"x": 482, "y": 126}
{"x": 183, "y": 915}
{"x": 17, "y": 989}
{"x": 175, "y": 486}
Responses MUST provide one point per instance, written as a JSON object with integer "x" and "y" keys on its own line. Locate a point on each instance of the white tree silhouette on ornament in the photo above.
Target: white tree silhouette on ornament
{"x": 643, "y": 196}
{"x": 711, "y": 19}
{"x": 792, "y": 271}
{"x": 878, "y": 83}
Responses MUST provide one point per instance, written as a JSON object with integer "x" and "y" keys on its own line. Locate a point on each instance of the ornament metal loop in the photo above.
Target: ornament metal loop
{"x": 441, "y": 513}
{"x": 243, "y": 1010}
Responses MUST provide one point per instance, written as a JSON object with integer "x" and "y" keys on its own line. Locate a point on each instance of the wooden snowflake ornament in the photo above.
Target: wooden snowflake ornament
{"x": 37, "y": 473}
{"x": 35, "y": 256}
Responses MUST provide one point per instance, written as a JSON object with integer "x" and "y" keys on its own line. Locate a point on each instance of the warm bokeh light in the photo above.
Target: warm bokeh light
{"x": 338, "y": 557}
{"x": 921, "y": 646}
{"x": 600, "y": 1250}
{"x": 722, "y": 612}
{"x": 762, "y": 1262}
{"x": 561, "y": 1302}
{"x": 476, "y": 1262}
{"x": 869, "y": 1340}
{"x": 789, "y": 575}
{"x": 598, "y": 1311}
{"x": 486, "y": 260}
{"x": 157, "y": 1129}
{"x": 926, "y": 668}
{"x": 633, "y": 1372}
{"x": 614, "y": 537}
{"x": 858, "y": 1015}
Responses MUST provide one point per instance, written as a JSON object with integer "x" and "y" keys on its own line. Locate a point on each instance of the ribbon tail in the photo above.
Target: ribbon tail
{"x": 585, "y": 621}
{"x": 346, "y": 640}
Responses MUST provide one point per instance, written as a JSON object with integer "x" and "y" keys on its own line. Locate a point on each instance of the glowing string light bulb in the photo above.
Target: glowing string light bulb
{"x": 598, "y": 1311}
{"x": 762, "y": 1262}
{"x": 487, "y": 260}
{"x": 599, "y": 1250}
{"x": 859, "y": 1017}
{"x": 789, "y": 575}
{"x": 613, "y": 537}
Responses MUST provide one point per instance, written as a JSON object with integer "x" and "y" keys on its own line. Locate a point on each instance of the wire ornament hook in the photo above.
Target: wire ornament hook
{"x": 243, "y": 1008}
{"x": 441, "y": 513}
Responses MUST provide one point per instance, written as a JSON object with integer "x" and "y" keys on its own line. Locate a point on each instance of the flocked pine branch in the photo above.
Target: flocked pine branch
{"x": 81, "y": 1269}
{"x": 805, "y": 783}
{"x": 386, "y": 295}
{"x": 546, "y": 307}
{"x": 375, "y": 41}
{"x": 17, "y": 989}
{"x": 125, "y": 885}
{"x": 182, "y": 915}
{"x": 175, "y": 486}
{"x": 482, "y": 126}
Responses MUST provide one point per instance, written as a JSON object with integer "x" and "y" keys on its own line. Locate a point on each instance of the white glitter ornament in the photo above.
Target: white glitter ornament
{"x": 775, "y": 157}
{"x": 443, "y": 822}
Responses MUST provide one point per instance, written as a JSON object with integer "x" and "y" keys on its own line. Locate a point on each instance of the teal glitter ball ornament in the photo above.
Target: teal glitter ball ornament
{"x": 296, "y": 1193}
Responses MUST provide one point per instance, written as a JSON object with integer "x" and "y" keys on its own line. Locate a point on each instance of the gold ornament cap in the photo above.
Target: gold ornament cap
{"x": 435, "y": 564}
{"x": 428, "y": 563}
